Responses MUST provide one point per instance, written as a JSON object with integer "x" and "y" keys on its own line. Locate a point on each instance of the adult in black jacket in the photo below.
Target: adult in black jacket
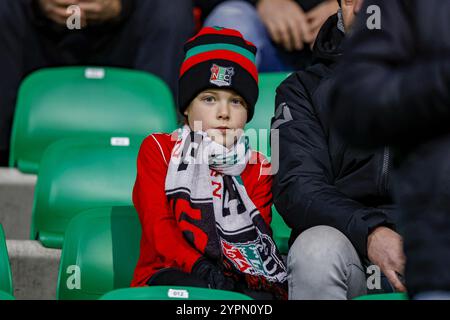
{"x": 335, "y": 198}
{"x": 394, "y": 88}
{"x": 141, "y": 34}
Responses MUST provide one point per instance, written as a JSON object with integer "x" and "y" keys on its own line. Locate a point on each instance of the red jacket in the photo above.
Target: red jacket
{"x": 163, "y": 244}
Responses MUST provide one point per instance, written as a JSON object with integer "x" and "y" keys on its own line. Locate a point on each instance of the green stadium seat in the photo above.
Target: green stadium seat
{"x": 259, "y": 140}
{"x": 6, "y": 286}
{"x": 76, "y": 175}
{"x": 101, "y": 244}
{"x": 5, "y": 296}
{"x": 85, "y": 102}
{"x": 172, "y": 293}
{"x": 384, "y": 296}
{"x": 281, "y": 232}
{"x": 264, "y": 111}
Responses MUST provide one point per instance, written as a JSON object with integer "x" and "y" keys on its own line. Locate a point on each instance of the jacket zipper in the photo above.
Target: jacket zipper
{"x": 385, "y": 170}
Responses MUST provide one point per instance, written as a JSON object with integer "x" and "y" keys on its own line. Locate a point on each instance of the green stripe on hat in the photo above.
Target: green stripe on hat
{"x": 220, "y": 46}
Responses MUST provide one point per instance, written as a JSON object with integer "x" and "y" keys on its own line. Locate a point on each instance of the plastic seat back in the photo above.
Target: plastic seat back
{"x": 77, "y": 175}
{"x": 6, "y": 286}
{"x": 384, "y": 296}
{"x": 100, "y": 253}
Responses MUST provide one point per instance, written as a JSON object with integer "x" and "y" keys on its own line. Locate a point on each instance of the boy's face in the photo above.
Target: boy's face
{"x": 221, "y": 113}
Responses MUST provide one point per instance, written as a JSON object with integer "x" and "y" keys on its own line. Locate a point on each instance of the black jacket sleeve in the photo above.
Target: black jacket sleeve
{"x": 303, "y": 189}
{"x": 128, "y": 6}
{"x": 385, "y": 90}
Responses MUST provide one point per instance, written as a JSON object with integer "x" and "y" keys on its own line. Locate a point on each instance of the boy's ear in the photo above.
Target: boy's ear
{"x": 185, "y": 112}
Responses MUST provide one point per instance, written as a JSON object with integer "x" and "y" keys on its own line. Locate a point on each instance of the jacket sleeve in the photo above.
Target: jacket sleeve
{"x": 303, "y": 189}
{"x": 157, "y": 219}
{"x": 128, "y": 6}
{"x": 262, "y": 192}
{"x": 385, "y": 90}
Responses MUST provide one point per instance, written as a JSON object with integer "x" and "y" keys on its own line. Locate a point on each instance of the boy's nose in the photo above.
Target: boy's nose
{"x": 223, "y": 112}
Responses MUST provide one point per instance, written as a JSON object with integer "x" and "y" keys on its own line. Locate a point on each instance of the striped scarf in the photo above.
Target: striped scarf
{"x": 215, "y": 213}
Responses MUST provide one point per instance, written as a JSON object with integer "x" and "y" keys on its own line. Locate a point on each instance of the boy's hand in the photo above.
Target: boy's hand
{"x": 385, "y": 249}
{"x": 286, "y": 22}
{"x": 209, "y": 272}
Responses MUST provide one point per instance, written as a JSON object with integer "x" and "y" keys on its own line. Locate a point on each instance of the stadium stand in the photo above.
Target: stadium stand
{"x": 83, "y": 176}
{"x": 66, "y": 102}
{"x": 34, "y": 269}
{"x": 16, "y": 202}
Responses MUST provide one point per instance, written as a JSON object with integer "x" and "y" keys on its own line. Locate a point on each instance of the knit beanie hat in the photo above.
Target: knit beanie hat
{"x": 218, "y": 58}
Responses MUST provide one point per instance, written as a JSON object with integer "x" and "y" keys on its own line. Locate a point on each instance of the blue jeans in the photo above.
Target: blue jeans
{"x": 243, "y": 17}
{"x": 433, "y": 295}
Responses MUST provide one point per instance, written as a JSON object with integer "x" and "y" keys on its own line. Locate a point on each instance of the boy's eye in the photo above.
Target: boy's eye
{"x": 209, "y": 99}
{"x": 237, "y": 101}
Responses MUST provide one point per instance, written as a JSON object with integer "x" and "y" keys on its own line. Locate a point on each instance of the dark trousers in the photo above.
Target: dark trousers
{"x": 175, "y": 277}
{"x": 150, "y": 39}
{"x": 422, "y": 190}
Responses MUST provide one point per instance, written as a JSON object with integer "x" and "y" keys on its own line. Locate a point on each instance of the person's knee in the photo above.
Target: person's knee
{"x": 238, "y": 15}
{"x": 235, "y": 8}
{"x": 323, "y": 264}
{"x": 320, "y": 246}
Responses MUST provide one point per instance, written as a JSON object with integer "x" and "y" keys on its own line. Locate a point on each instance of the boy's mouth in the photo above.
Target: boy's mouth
{"x": 222, "y": 129}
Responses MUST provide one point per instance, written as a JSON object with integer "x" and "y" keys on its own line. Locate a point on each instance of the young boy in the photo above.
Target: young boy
{"x": 204, "y": 206}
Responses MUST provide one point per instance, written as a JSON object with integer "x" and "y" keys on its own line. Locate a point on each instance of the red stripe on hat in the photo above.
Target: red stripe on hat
{"x": 223, "y": 32}
{"x": 249, "y": 43}
{"x": 220, "y": 55}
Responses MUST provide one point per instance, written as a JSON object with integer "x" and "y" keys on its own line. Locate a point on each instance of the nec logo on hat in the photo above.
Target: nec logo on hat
{"x": 221, "y": 76}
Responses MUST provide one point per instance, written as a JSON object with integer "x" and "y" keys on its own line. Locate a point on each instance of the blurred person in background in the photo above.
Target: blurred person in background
{"x": 146, "y": 35}
{"x": 393, "y": 87}
{"x": 282, "y": 30}
{"x": 335, "y": 198}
